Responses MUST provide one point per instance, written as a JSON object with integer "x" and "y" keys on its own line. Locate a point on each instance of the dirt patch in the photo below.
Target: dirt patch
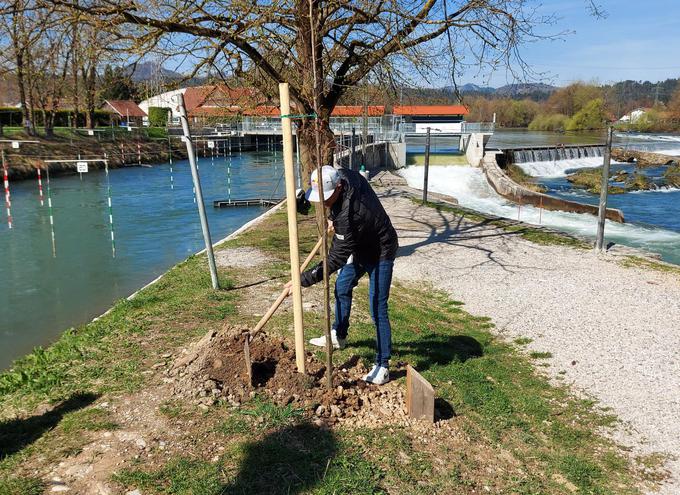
{"x": 214, "y": 370}
{"x": 241, "y": 257}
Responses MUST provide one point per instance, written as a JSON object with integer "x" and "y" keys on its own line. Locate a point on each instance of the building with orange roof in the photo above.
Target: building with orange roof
{"x": 124, "y": 111}
{"x": 439, "y": 118}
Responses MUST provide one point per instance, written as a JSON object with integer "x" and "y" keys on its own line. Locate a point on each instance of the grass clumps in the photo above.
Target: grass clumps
{"x": 639, "y": 262}
{"x": 590, "y": 179}
{"x": 519, "y": 176}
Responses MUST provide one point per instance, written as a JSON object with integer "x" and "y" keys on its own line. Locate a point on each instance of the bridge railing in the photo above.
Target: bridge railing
{"x": 478, "y": 127}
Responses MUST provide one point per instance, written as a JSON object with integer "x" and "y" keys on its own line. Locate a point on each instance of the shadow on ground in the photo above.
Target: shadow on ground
{"x": 15, "y": 434}
{"x": 433, "y": 350}
{"x": 287, "y": 461}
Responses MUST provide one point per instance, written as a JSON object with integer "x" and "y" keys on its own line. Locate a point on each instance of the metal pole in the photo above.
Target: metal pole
{"x": 599, "y": 242}
{"x": 179, "y": 99}
{"x": 351, "y": 151}
{"x": 364, "y": 137}
{"x": 427, "y": 164}
{"x": 297, "y": 159}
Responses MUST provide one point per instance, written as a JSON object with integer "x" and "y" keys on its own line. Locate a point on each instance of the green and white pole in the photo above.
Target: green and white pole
{"x": 108, "y": 199}
{"x": 50, "y": 212}
{"x": 172, "y": 178}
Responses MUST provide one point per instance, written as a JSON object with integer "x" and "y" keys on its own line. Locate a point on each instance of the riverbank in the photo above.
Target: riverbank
{"x": 97, "y": 412}
{"x": 590, "y": 318}
{"x": 23, "y": 162}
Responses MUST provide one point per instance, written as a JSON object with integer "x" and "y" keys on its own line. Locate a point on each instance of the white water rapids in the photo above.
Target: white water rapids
{"x": 469, "y": 186}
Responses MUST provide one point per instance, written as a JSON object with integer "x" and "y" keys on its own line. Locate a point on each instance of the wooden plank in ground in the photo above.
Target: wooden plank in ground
{"x": 419, "y": 396}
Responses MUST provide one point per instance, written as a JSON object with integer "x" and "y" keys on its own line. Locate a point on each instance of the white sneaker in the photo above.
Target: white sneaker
{"x": 378, "y": 375}
{"x": 337, "y": 343}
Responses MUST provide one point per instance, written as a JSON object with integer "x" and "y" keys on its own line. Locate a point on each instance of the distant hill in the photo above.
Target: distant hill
{"x": 473, "y": 88}
{"x": 151, "y": 71}
{"x": 524, "y": 90}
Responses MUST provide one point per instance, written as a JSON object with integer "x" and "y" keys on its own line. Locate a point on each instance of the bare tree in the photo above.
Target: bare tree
{"x": 23, "y": 24}
{"x": 322, "y": 48}
{"x": 49, "y": 71}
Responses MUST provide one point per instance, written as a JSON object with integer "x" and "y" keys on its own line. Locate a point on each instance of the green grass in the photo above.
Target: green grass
{"x": 92, "y": 419}
{"x": 511, "y": 430}
{"x": 639, "y": 262}
{"x": 540, "y": 355}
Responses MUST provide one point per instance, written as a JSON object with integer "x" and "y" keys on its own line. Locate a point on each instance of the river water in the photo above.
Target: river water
{"x": 155, "y": 227}
{"x": 653, "y": 218}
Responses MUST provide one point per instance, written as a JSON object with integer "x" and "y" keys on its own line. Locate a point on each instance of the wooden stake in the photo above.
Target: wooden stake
{"x": 291, "y": 204}
{"x": 419, "y": 396}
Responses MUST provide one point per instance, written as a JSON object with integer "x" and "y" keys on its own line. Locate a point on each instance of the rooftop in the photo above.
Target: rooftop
{"x": 430, "y": 110}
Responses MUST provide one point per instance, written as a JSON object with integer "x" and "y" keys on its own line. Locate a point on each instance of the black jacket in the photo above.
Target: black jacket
{"x": 362, "y": 228}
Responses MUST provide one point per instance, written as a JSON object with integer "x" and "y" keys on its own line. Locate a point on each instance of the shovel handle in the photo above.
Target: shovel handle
{"x": 285, "y": 292}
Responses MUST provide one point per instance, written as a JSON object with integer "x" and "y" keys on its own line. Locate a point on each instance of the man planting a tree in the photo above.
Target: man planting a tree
{"x": 363, "y": 231}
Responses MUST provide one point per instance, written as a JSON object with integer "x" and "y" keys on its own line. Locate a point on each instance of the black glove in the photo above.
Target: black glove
{"x": 302, "y": 203}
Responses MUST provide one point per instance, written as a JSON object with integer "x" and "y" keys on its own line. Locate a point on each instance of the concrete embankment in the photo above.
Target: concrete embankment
{"x": 509, "y": 189}
{"x": 23, "y": 162}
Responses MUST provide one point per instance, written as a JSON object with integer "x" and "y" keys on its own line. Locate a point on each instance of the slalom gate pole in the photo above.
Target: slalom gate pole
{"x": 8, "y": 201}
{"x": 40, "y": 188}
{"x": 172, "y": 179}
{"x": 51, "y": 214}
{"x": 108, "y": 199}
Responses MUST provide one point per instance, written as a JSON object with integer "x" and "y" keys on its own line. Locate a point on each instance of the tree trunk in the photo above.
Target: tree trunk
{"x": 21, "y": 82}
{"x": 74, "y": 73}
{"x": 308, "y": 147}
{"x": 48, "y": 122}
{"x": 89, "y": 76}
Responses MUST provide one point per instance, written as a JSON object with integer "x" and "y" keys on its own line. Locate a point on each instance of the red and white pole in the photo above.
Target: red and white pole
{"x": 8, "y": 202}
{"x": 40, "y": 189}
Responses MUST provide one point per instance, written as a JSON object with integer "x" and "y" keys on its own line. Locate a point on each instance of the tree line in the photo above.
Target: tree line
{"x": 585, "y": 106}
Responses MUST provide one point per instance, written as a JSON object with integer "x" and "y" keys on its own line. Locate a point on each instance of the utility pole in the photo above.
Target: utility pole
{"x": 427, "y": 165}
{"x": 179, "y": 99}
{"x": 599, "y": 242}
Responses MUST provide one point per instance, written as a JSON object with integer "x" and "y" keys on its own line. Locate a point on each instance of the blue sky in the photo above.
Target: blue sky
{"x": 639, "y": 40}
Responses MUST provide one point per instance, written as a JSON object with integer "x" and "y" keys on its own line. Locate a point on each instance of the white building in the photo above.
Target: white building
{"x": 163, "y": 100}
{"x": 633, "y": 116}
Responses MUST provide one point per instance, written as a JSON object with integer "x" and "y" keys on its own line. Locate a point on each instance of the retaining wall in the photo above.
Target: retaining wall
{"x": 378, "y": 155}
{"x": 509, "y": 189}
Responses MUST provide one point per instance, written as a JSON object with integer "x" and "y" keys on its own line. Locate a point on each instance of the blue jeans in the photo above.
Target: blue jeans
{"x": 380, "y": 275}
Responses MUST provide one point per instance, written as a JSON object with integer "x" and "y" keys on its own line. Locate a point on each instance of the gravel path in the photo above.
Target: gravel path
{"x": 615, "y": 331}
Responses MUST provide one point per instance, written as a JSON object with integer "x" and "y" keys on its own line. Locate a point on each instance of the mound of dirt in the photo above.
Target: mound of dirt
{"x": 214, "y": 370}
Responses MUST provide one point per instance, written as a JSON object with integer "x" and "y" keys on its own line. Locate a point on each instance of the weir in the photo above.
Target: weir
{"x": 552, "y": 153}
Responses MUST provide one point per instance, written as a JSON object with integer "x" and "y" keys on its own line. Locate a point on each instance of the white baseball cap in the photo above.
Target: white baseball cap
{"x": 330, "y": 180}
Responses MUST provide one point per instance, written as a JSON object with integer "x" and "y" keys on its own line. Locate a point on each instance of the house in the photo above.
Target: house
{"x": 633, "y": 116}
{"x": 125, "y": 112}
{"x": 440, "y": 118}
